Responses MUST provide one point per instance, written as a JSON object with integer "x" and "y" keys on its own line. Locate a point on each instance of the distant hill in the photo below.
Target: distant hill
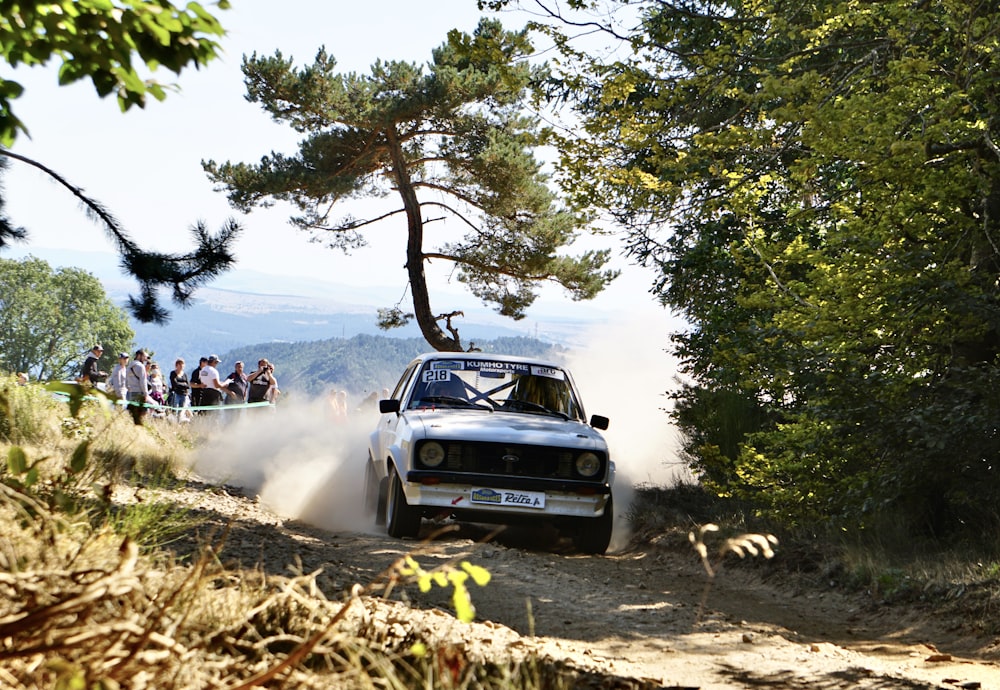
{"x": 359, "y": 365}
{"x": 246, "y": 306}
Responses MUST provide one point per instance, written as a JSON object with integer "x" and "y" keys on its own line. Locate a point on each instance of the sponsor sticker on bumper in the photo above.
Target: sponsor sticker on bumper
{"x": 521, "y": 499}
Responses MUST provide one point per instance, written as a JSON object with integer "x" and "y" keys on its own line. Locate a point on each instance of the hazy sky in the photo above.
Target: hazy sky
{"x": 145, "y": 165}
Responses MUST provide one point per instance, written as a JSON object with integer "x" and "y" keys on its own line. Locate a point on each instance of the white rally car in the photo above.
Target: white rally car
{"x": 490, "y": 438}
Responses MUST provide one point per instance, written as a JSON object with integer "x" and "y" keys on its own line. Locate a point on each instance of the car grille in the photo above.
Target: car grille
{"x": 545, "y": 462}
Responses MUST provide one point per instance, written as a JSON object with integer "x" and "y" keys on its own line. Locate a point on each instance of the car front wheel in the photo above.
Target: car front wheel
{"x": 594, "y": 534}
{"x": 401, "y": 519}
{"x": 374, "y": 493}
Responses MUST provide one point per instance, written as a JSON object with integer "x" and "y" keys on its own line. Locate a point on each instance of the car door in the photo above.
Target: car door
{"x": 388, "y": 423}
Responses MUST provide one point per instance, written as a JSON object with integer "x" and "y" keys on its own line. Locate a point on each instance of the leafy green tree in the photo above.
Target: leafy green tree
{"x": 819, "y": 186}
{"x": 453, "y": 140}
{"x": 50, "y": 319}
{"x": 108, "y": 42}
{"x": 105, "y": 42}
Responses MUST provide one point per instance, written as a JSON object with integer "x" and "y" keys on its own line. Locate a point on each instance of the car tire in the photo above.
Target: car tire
{"x": 401, "y": 519}
{"x": 380, "y": 505}
{"x": 374, "y": 493}
{"x": 594, "y": 534}
{"x": 371, "y": 488}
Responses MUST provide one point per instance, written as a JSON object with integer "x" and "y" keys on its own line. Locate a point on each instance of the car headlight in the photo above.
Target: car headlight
{"x": 588, "y": 464}
{"x": 431, "y": 454}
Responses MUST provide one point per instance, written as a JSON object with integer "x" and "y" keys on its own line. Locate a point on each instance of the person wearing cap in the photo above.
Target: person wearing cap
{"x": 117, "y": 381}
{"x": 89, "y": 372}
{"x": 214, "y": 388}
{"x": 137, "y": 386}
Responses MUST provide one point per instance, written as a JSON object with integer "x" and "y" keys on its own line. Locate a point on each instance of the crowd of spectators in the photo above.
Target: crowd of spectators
{"x": 141, "y": 384}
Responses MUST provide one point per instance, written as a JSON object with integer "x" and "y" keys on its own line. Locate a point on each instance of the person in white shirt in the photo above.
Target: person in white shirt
{"x": 215, "y": 388}
{"x": 137, "y": 386}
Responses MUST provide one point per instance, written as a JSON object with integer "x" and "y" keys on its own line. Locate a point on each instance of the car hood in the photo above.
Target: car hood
{"x": 506, "y": 427}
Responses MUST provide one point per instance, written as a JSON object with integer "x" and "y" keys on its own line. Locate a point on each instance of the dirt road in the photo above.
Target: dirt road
{"x": 643, "y": 613}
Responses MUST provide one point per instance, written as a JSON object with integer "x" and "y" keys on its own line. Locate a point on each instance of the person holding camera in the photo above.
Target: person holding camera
{"x": 262, "y": 383}
{"x": 90, "y": 372}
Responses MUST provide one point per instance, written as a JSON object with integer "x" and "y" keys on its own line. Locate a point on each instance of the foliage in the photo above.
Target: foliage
{"x": 108, "y": 42}
{"x": 361, "y": 364}
{"x": 105, "y": 42}
{"x": 50, "y": 319}
{"x": 180, "y": 273}
{"x": 819, "y": 189}
{"x": 28, "y": 414}
{"x": 451, "y": 142}
{"x": 449, "y": 577}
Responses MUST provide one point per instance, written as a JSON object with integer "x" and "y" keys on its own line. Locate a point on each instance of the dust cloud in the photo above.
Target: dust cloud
{"x": 298, "y": 459}
{"x": 625, "y": 373}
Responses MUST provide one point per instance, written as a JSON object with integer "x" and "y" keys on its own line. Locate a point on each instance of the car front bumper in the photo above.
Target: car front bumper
{"x": 458, "y": 498}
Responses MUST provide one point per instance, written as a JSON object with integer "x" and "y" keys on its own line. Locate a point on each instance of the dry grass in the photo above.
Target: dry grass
{"x": 83, "y": 608}
{"x": 88, "y": 601}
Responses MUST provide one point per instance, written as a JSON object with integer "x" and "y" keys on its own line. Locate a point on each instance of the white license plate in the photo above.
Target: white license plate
{"x": 504, "y": 497}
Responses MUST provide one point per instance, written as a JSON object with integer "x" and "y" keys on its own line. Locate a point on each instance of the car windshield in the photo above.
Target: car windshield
{"x": 495, "y": 385}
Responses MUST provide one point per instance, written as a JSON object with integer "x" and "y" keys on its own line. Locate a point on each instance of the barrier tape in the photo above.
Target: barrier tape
{"x": 170, "y": 408}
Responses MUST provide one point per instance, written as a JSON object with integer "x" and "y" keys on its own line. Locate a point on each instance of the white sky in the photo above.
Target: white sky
{"x": 145, "y": 165}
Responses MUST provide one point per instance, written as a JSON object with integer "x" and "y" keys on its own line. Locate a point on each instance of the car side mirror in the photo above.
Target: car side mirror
{"x": 599, "y": 422}
{"x": 388, "y": 406}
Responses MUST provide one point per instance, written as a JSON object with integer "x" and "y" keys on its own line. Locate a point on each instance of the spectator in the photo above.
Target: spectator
{"x": 117, "y": 381}
{"x": 337, "y": 410}
{"x": 179, "y": 397}
{"x": 137, "y": 386}
{"x": 89, "y": 372}
{"x": 238, "y": 385}
{"x": 261, "y": 383}
{"x": 274, "y": 391}
{"x": 370, "y": 403}
{"x": 213, "y": 389}
{"x": 157, "y": 387}
{"x": 197, "y": 387}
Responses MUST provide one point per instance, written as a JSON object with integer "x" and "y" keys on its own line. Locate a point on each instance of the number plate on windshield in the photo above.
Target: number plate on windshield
{"x": 522, "y": 499}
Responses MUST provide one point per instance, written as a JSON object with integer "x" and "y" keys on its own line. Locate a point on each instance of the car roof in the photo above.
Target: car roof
{"x": 487, "y": 355}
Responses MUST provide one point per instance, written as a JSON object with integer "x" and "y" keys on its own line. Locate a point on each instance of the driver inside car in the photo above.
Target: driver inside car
{"x": 538, "y": 390}
{"x": 452, "y": 388}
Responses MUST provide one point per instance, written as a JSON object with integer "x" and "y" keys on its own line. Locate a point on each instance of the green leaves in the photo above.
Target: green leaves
{"x": 449, "y": 577}
{"x": 446, "y": 140}
{"x": 107, "y": 43}
{"x": 50, "y": 318}
{"x": 24, "y": 475}
{"x": 819, "y": 191}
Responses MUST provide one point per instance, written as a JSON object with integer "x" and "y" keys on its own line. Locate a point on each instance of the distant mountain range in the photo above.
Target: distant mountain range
{"x": 361, "y": 364}
{"x": 246, "y": 307}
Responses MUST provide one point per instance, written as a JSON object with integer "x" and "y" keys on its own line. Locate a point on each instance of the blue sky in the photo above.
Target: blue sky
{"x": 144, "y": 165}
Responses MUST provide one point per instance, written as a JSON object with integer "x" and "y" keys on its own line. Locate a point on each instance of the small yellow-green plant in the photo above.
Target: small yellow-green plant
{"x": 446, "y": 576}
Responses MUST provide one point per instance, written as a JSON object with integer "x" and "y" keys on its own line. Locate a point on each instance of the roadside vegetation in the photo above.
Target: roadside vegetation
{"x": 960, "y": 580}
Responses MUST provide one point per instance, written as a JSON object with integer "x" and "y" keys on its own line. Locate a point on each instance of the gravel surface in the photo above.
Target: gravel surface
{"x": 646, "y": 612}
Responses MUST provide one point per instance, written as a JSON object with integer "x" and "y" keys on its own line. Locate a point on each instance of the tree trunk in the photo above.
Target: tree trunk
{"x": 429, "y": 327}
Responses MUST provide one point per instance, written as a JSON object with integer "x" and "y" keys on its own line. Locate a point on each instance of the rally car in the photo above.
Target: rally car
{"x": 488, "y": 438}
